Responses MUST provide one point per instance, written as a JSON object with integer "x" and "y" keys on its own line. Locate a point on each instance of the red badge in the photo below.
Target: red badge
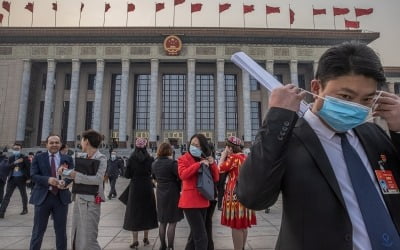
{"x": 386, "y": 181}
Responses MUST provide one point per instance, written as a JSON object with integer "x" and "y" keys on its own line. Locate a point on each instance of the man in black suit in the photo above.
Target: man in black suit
{"x": 307, "y": 160}
{"x": 49, "y": 195}
{"x": 18, "y": 175}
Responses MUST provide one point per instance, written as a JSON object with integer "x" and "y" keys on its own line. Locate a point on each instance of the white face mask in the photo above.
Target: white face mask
{"x": 113, "y": 157}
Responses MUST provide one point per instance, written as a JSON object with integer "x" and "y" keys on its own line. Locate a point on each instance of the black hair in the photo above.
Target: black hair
{"x": 204, "y": 146}
{"x": 17, "y": 144}
{"x": 139, "y": 154}
{"x": 63, "y": 146}
{"x": 93, "y": 137}
{"x": 235, "y": 148}
{"x": 51, "y": 135}
{"x": 350, "y": 58}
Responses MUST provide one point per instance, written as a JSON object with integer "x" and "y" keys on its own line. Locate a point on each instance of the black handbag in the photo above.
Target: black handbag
{"x": 205, "y": 183}
{"x": 87, "y": 167}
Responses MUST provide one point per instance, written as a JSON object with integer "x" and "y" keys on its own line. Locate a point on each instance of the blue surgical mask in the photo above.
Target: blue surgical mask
{"x": 16, "y": 153}
{"x": 342, "y": 115}
{"x": 195, "y": 151}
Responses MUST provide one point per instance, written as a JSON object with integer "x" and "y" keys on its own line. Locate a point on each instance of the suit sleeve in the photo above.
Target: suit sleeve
{"x": 261, "y": 175}
{"x": 93, "y": 179}
{"x": 395, "y": 136}
{"x": 185, "y": 170}
{"x": 36, "y": 175}
{"x": 214, "y": 172}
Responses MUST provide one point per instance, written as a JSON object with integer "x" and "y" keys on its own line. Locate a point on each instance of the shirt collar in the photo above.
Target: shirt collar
{"x": 57, "y": 155}
{"x": 320, "y": 128}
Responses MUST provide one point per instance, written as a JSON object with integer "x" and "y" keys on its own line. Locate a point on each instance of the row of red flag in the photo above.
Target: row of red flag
{"x": 196, "y": 7}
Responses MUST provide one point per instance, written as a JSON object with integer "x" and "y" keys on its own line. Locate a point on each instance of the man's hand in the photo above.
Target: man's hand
{"x": 53, "y": 181}
{"x": 20, "y": 160}
{"x": 388, "y": 107}
{"x": 62, "y": 168}
{"x": 286, "y": 97}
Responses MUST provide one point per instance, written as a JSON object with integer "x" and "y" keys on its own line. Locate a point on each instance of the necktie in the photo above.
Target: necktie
{"x": 381, "y": 230}
{"x": 54, "y": 189}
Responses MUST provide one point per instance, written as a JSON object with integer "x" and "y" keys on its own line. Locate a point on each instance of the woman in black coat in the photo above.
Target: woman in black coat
{"x": 141, "y": 214}
{"x": 165, "y": 171}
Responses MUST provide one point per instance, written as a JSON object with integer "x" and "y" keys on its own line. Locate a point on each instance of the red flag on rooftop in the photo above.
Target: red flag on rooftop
{"x": 6, "y": 6}
{"x": 29, "y": 6}
{"x": 351, "y": 24}
{"x": 363, "y": 12}
{"x": 319, "y": 11}
{"x": 107, "y": 6}
{"x": 248, "y": 8}
{"x": 159, "y": 6}
{"x": 196, "y": 7}
{"x": 291, "y": 16}
{"x": 54, "y": 6}
{"x": 1, "y": 18}
{"x": 177, "y": 2}
{"x": 82, "y": 5}
{"x": 131, "y": 7}
{"x": 340, "y": 11}
{"x": 224, "y": 6}
{"x": 271, "y": 10}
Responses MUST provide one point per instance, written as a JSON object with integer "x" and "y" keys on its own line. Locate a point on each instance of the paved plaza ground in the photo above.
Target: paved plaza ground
{"x": 15, "y": 229}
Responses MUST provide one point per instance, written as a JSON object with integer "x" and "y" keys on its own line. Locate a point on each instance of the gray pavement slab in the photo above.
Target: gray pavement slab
{"x": 16, "y": 229}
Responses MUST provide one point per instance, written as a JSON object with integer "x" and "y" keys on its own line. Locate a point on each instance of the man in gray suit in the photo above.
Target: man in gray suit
{"x": 319, "y": 162}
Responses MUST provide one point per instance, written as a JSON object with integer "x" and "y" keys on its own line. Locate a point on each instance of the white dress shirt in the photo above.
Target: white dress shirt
{"x": 332, "y": 146}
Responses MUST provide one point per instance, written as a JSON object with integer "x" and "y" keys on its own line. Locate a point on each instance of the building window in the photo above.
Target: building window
{"x": 142, "y": 102}
{"x": 279, "y": 77}
{"x": 254, "y": 85}
{"x": 40, "y": 125}
{"x": 397, "y": 88}
{"x": 255, "y": 118}
{"x": 174, "y": 102}
{"x": 44, "y": 80}
{"x": 64, "y": 122}
{"x": 67, "y": 82}
{"x": 231, "y": 102}
{"x": 204, "y": 102}
{"x": 302, "y": 81}
{"x": 91, "y": 81}
{"x": 89, "y": 115}
{"x": 115, "y": 102}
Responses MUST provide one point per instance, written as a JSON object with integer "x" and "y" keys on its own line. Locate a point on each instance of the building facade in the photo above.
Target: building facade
{"x": 164, "y": 84}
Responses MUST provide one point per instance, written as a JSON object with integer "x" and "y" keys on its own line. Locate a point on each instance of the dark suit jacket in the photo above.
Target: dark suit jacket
{"x": 40, "y": 173}
{"x": 24, "y": 166}
{"x": 288, "y": 158}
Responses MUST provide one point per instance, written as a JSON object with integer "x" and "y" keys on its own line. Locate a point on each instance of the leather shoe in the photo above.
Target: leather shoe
{"x": 25, "y": 211}
{"x": 1, "y": 215}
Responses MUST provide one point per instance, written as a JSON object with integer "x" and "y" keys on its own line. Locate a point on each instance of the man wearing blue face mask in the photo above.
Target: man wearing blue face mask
{"x": 328, "y": 164}
{"x": 19, "y": 174}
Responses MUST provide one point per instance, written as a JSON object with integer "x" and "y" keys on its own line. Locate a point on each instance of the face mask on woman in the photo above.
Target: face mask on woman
{"x": 195, "y": 151}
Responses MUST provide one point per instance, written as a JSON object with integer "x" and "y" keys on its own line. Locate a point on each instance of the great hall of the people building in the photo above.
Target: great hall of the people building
{"x": 161, "y": 83}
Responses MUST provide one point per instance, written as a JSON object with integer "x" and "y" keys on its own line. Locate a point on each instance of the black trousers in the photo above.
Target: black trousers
{"x": 2, "y": 184}
{"x": 196, "y": 218}
{"x": 221, "y": 188}
{"x": 12, "y": 183}
{"x": 113, "y": 181}
{"x": 210, "y": 213}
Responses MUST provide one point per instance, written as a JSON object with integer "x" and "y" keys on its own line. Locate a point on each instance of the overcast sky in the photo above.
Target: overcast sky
{"x": 385, "y": 18}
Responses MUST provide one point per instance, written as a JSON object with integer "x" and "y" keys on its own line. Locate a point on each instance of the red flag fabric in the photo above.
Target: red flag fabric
{"x": 248, "y": 8}
{"x": 319, "y": 11}
{"x": 159, "y": 6}
{"x": 270, "y": 9}
{"x": 29, "y": 6}
{"x": 196, "y": 7}
{"x": 340, "y": 11}
{"x": 107, "y": 7}
{"x": 363, "y": 12}
{"x": 291, "y": 16}
{"x": 54, "y": 6}
{"x": 224, "y": 6}
{"x": 176, "y": 2}
{"x": 131, "y": 7}
{"x": 82, "y": 5}
{"x": 1, "y": 18}
{"x": 351, "y": 24}
{"x": 6, "y": 6}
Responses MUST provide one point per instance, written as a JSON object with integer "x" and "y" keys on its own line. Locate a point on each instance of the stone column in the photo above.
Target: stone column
{"x": 98, "y": 95}
{"x": 48, "y": 99}
{"x": 153, "y": 114}
{"x": 246, "y": 108}
{"x": 73, "y": 103}
{"x": 191, "y": 100}
{"x": 23, "y": 101}
{"x": 293, "y": 73}
{"x": 123, "y": 107}
{"x": 221, "y": 122}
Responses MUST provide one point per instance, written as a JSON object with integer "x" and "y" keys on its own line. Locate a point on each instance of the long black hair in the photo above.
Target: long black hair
{"x": 204, "y": 146}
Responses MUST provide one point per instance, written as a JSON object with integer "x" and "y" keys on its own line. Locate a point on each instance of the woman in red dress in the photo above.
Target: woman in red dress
{"x": 234, "y": 214}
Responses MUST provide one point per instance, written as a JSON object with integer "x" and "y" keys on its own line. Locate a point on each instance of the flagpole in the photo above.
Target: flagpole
{"x": 334, "y": 18}
{"x": 9, "y": 13}
{"x": 80, "y": 15}
{"x": 313, "y": 16}
{"x": 126, "y": 14}
{"x": 290, "y": 23}
{"x": 173, "y": 17}
{"x": 244, "y": 16}
{"x": 266, "y": 18}
{"x": 33, "y": 8}
{"x": 55, "y": 16}
{"x": 104, "y": 15}
{"x": 191, "y": 17}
